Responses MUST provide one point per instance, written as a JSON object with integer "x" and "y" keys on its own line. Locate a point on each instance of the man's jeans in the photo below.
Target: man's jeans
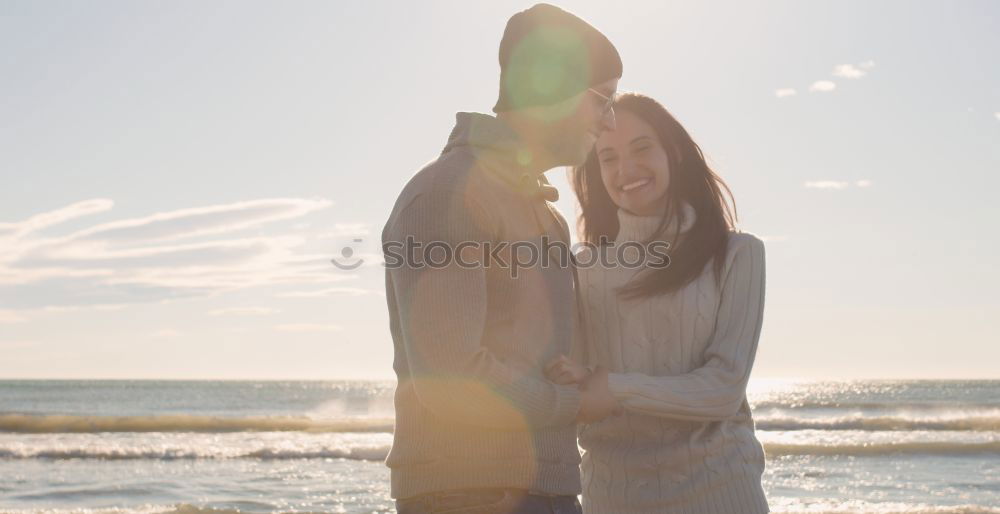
{"x": 488, "y": 501}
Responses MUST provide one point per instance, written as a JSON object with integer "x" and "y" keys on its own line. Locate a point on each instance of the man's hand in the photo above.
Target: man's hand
{"x": 596, "y": 400}
{"x": 563, "y": 371}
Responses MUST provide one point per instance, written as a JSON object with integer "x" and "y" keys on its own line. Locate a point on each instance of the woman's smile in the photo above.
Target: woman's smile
{"x": 636, "y": 185}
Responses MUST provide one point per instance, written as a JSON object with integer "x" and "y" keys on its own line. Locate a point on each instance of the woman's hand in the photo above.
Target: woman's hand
{"x": 562, "y": 370}
{"x": 596, "y": 400}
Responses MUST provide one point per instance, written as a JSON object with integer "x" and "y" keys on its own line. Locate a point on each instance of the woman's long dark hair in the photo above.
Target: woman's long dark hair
{"x": 691, "y": 181}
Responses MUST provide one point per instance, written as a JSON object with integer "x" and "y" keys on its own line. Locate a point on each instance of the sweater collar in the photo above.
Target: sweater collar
{"x": 499, "y": 150}
{"x": 642, "y": 228}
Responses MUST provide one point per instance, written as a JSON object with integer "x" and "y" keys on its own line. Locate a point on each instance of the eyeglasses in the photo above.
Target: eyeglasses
{"x": 607, "y": 112}
{"x": 608, "y": 101}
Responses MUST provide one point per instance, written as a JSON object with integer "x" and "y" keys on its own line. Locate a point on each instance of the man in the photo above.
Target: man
{"x": 478, "y": 427}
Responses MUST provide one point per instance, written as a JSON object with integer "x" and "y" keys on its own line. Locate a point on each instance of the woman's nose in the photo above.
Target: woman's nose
{"x": 627, "y": 168}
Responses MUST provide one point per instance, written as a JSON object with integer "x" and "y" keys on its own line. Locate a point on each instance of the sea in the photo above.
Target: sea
{"x": 151, "y": 446}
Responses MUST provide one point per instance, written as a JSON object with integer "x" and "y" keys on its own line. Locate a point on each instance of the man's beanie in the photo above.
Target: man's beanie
{"x": 548, "y": 55}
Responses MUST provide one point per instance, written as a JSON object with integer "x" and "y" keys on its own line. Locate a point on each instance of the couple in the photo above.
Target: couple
{"x": 502, "y": 371}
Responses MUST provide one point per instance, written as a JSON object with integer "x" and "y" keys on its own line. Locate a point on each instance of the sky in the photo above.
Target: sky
{"x": 176, "y": 176}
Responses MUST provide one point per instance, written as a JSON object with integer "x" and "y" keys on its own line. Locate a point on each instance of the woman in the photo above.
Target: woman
{"x": 675, "y": 343}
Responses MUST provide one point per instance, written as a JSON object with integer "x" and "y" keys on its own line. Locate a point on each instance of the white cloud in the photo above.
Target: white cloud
{"x": 826, "y": 184}
{"x": 848, "y": 71}
{"x": 345, "y": 230}
{"x": 147, "y": 259}
{"x": 869, "y": 64}
{"x": 50, "y": 218}
{"x": 70, "y": 253}
{"x": 370, "y": 260}
{"x": 15, "y": 276}
{"x": 835, "y": 184}
{"x": 14, "y": 345}
{"x": 822, "y": 86}
{"x": 243, "y": 311}
{"x": 77, "y": 308}
{"x": 332, "y": 291}
{"x": 200, "y": 221}
{"x": 996, "y": 115}
{"x": 8, "y": 317}
{"x": 307, "y": 327}
{"x": 782, "y": 93}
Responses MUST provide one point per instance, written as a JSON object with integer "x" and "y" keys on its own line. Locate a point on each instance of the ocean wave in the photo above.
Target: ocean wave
{"x": 832, "y": 506}
{"x": 849, "y": 507}
{"x": 370, "y": 453}
{"x": 797, "y": 404}
{"x": 916, "y": 509}
{"x": 883, "y": 448}
{"x": 960, "y": 509}
{"x": 927, "y": 509}
{"x": 54, "y": 423}
{"x": 896, "y": 423}
{"x": 179, "y": 508}
{"x": 378, "y": 452}
{"x": 49, "y": 424}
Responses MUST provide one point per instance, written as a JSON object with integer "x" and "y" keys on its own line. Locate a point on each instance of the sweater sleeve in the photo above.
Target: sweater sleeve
{"x": 716, "y": 390}
{"x": 442, "y": 318}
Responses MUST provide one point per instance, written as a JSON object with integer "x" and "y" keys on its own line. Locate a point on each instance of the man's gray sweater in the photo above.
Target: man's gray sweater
{"x": 473, "y": 408}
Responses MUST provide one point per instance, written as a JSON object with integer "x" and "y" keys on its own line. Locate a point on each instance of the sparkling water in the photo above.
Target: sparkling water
{"x": 245, "y": 446}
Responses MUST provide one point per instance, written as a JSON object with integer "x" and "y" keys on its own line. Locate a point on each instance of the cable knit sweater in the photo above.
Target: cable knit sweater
{"x": 679, "y": 365}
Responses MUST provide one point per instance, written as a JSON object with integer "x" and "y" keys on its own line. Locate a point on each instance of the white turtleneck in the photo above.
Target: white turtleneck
{"x": 679, "y": 365}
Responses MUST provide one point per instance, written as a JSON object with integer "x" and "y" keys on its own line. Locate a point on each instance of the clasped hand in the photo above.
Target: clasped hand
{"x": 596, "y": 400}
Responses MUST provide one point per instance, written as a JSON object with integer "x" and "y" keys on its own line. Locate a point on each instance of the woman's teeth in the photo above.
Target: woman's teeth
{"x": 635, "y": 185}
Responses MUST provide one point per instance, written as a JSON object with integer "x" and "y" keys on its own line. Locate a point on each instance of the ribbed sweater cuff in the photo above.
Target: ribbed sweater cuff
{"x": 567, "y": 405}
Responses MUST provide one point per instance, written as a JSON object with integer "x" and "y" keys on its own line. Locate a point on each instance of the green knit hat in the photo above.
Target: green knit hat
{"x": 548, "y": 55}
